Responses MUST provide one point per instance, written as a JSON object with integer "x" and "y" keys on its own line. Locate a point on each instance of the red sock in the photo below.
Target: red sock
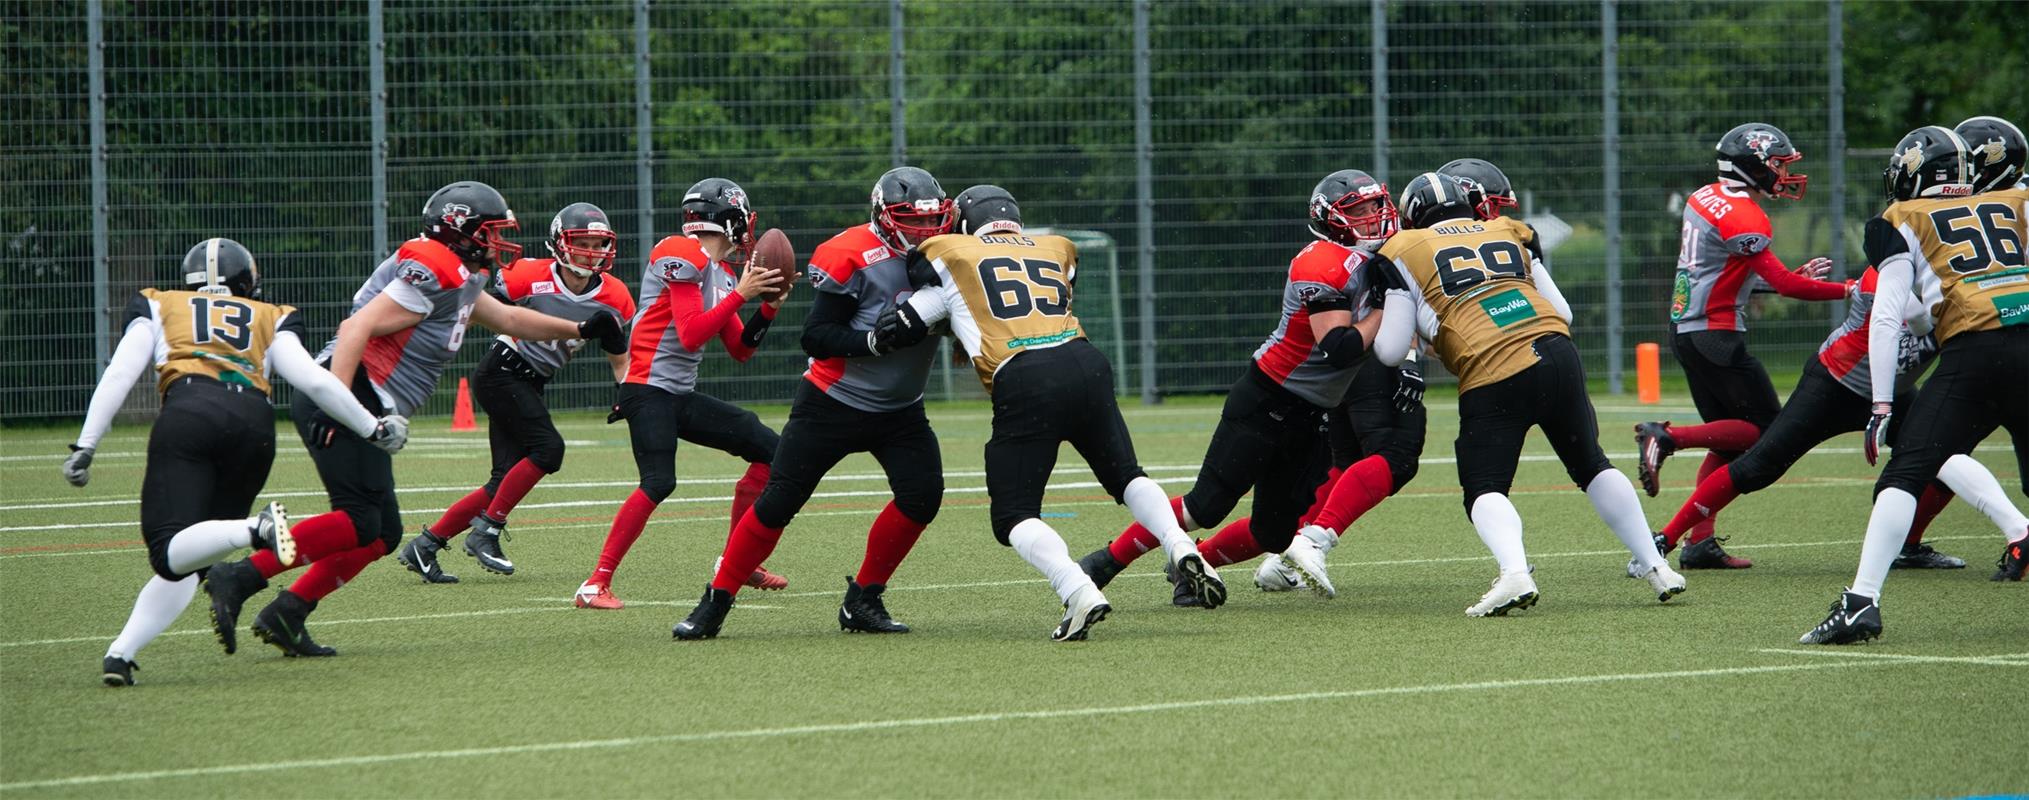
{"x": 1324, "y": 491}
{"x": 1137, "y": 540}
{"x": 1935, "y": 497}
{"x": 320, "y": 536}
{"x": 1713, "y": 493}
{"x": 269, "y": 564}
{"x": 514, "y": 486}
{"x": 748, "y": 546}
{"x": 888, "y": 542}
{"x": 1734, "y": 435}
{"x": 1365, "y": 484}
{"x": 459, "y": 516}
{"x": 627, "y": 525}
{"x": 746, "y": 491}
{"x": 324, "y": 577}
{"x": 1232, "y": 545}
{"x": 1714, "y": 461}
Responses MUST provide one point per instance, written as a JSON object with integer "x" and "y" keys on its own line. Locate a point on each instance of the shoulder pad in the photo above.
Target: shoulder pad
{"x": 1882, "y": 241}
{"x": 442, "y": 264}
{"x": 848, "y": 252}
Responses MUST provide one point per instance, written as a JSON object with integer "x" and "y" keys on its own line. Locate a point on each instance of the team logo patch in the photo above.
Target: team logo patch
{"x": 1992, "y": 152}
{"x": 1508, "y": 308}
{"x": 1751, "y": 243}
{"x": 1759, "y": 141}
{"x": 1308, "y": 293}
{"x": 875, "y": 255}
{"x": 543, "y": 287}
{"x": 1910, "y": 160}
{"x": 456, "y": 214}
{"x": 415, "y": 274}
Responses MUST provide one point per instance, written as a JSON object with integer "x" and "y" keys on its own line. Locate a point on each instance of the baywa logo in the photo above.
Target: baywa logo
{"x": 2013, "y": 309}
{"x": 1508, "y": 308}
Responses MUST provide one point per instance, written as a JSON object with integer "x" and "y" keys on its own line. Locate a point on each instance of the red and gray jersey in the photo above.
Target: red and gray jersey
{"x": 1723, "y": 228}
{"x": 1325, "y": 276}
{"x": 1844, "y": 353}
{"x": 533, "y": 283}
{"x": 657, "y": 356}
{"x": 425, "y": 277}
{"x": 857, "y": 264}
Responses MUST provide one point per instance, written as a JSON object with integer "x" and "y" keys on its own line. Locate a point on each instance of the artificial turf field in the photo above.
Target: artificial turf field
{"x": 498, "y": 687}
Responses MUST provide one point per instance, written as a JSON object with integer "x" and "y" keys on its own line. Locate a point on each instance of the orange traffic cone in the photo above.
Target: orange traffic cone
{"x": 461, "y": 409}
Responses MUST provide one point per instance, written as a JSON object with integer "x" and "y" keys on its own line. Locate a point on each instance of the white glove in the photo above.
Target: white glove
{"x": 390, "y": 433}
{"x": 78, "y": 468}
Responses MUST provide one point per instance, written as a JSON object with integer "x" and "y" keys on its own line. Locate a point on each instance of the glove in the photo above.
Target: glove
{"x": 921, "y": 274}
{"x": 390, "y": 433}
{"x": 604, "y": 327}
{"x": 323, "y": 429}
{"x": 619, "y": 399}
{"x": 78, "y": 467}
{"x": 896, "y": 328}
{"x": 1409, "y": 390}
{"x": 1382, "y": 276}
{"x": 1877, "y": 431}
{"x": 1816, "y": 268}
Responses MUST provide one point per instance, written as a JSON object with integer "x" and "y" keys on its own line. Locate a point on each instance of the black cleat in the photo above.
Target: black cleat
{"x": 705, "y": 620}
{"x": 229, "y": 585}
{"x": 1922, "y": 556}
{"x": 282, "y": 624}
{"x": 1101, "y": 566}
{"x": 1855, "y": 618}
{"x": 1652, "y": 444}
{"x": 863, "y": 612}
{"x": 420, "y": 556}
{"x": 1182, "y": 595}
{"x": 119, "y": 671}
{"x": 483, "y": 544}
{"x": 2014, "y": 557}
{"x": 1709, "y": 555}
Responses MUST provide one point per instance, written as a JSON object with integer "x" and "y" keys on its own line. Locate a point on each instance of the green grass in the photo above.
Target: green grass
{"x": 496, "y": 687}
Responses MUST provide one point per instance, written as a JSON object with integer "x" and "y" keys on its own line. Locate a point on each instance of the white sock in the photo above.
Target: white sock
{"x": 1973, "y": 483}
{"x": 160, "y": 603}
{"x": 1145, "y": 500}
{"x": 1894, "y": 511}
{"x": 1613, "y": 498}
{"x": 207, "y": 543}
{"x": 1037, "y": 543}
{"x": 1501, "y": 528}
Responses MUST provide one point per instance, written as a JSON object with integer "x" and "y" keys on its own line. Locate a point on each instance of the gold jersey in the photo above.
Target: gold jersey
{"x": 1474, "y": 274}
{"x": 217, "y": 336}
{"x": 1015, "y": 293}
{"x": 1969, "y": 250}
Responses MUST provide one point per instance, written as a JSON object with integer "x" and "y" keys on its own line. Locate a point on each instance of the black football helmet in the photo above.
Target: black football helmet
{"x": 1997, "y": 151}
{"x": 987, "y": 209}
{"x": 1930, "y": 161}
{"x": 579, "y": 221}
{"x": 909, "y": 207}
{"x": 1757, "y": 156}
{"x": 717, "y": 205}
{"x": 222, "y": 266}
{"x": 1434, "y": 197}
{"x": 1485, "y": 183}
{"x": 1335, "y": 198}
{"x": 473, "y": 220}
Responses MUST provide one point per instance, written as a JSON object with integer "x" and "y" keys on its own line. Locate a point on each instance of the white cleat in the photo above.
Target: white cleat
{"x": 271, "y": 532}
{"x": 1667, "y": 582}
{"x": 1202, "y": 579}
{"x": 1512, "y": 590}
{"x": 1087, "y": 608}
{"x": 1275, "y": 575}
{"x": 1306, "y": 555}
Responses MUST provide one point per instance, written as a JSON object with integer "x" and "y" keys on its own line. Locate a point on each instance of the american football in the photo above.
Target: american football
{"x": 775, "y": 252}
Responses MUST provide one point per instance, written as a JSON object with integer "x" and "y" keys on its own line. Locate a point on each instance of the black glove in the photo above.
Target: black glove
{"x": 619, "y": 402}
{"x": 896, "y": 328}
{"x": 604, "y": 327}
{"x": 1382, "y": 276}
{"x": 921, "y": 274}
{"x": 1409, "y": 389}
{"x": 323, "y": 429}
{"x": 1877, "y": 431}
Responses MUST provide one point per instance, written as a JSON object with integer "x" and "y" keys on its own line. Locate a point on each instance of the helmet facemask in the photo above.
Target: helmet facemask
{"x": 737, "y": 224}
{"x": 1364, "y": 217}
{"x": 570, "y": 248}
{"x": 911, "y": 223}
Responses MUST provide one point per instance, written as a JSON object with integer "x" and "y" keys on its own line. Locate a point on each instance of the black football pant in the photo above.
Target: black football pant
{"x": 1979, "y": 385}
{"x": 1369, "y": 424}
{"x": 208, "y": 457}
{"x": 657, "y": 420}
{"x": 518, "y": 423}
{"x": 1271, "y": 442}
{"x": 1726, "y": 382}
{"x": 1495, "y": 418}
{"x": 358, "y": 477}
{"x": 822, "y": 431}
{"x": 1818, "y": 409}
{"x": 1042, "y": 399}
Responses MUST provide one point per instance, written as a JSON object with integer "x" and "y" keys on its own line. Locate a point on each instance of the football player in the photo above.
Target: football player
{"x": 213, "y": 345}
{"x": 407, "y": 321}
{"x": 1952, "y": 240}
{"x": 1499, "y": 324}
{"x": 691, "y": 293}
{"x": 1726, "y": 246}
{"x": 860, "y": 395}
{"x": 1271, "y": 433}
{"x": 574, "y": 283}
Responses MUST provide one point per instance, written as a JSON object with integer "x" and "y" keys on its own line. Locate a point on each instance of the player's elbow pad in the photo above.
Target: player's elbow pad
{"x": 1343, "y": 347}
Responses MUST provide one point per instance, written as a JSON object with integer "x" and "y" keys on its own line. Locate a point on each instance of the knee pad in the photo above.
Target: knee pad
{"x": 1401, "y": 469}
{"x": 547, "y": 456}
{"x": 366, "y": 525}
{"x": 775, "y": 507}
{"x": 158, "y": 560}
{"x": 921, "y": 508}
{"x": 1006, "y": 516}
{"x": 658, "y": 488}
{"x": 1004, "y": 525}
{"x": 1207, "y": 511}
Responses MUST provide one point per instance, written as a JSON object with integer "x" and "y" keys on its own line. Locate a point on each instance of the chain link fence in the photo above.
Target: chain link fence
{"x": 1180, "y": 139}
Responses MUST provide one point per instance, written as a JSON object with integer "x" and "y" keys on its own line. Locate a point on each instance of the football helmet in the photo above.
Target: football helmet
{"x": 1487, "y": 186}
{"x": 1334, "y": 200}
{"x": 473, "y": 220}
{"x": 576, "y": 222}
{"x": 717, "y": 205}
{"x": 987, "y": 209}
{"x": 1997, "y": 151}
{"x": 222, "y": 266}
{"x": 909, "y": 206}
{"x": 1930, "y": 161}
{"x": 1757, "y": 156}
{"x": 1434, "y": 197}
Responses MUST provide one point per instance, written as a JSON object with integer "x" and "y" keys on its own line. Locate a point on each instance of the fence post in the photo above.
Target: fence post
{"x": 1377, "y": 56}
{"x": 898, "y": 147}
{"x": 1144, "y": 200}
{"x": 1835, "y": 92}
{"x": 1609, "y": 47}
{"x": 102, "y": 249}
{"x": 376, "y": 71}
{"x": 644, "y": 136}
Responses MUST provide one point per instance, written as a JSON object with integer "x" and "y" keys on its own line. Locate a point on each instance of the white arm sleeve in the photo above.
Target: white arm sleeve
{"x": 130, "y": 359}
{"x": 1892, "y": 297}
{"x": 1548, "y": 288}
{"x": 1426, "y": 322}
{"x": 1398, "y": 328}
{"x": 930, "y": 304}
{"x": 288, "y": 359}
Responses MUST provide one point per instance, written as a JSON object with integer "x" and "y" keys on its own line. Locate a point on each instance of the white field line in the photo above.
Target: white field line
{"x": 963, "y": 719}
{"x": 2001, "y": 660}
{"x": 283, "y": 453}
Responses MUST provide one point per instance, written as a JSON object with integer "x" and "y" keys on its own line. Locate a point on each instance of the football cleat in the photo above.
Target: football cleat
{"x": 420, "y": 556}
{"x": 1666, "y": 582}
{"x": 1275, "y": 575}
{"x": 1922, "y": 556}
{"x": 1652, "y": 444}
{"x": 1306, "y": 554}
{"x": 1086, "y": 608}
{"x": 766, "y": 581}
{"x": 705, "y": 621}
{"x": 1635, "y": 569}
{"x": 271, "y": 532}
{"x": 1510, "y": 591}
{"x": 1181, "y": 593}
{"x": 1101, "y": 566}
{"x": 596, "y": 595}
{"x": 1854, "y": 618}
{"x": 1192, "y": 571}
{"x": 483, "y": 545}
{"x": 863, "y": 612}
{"x": 119, "y": 671}
{"x": 229, "y": 585}
{"x": 282, "y": 624}
{"x": 2014, "y": 557}
{"x": 1707, "y": 554}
